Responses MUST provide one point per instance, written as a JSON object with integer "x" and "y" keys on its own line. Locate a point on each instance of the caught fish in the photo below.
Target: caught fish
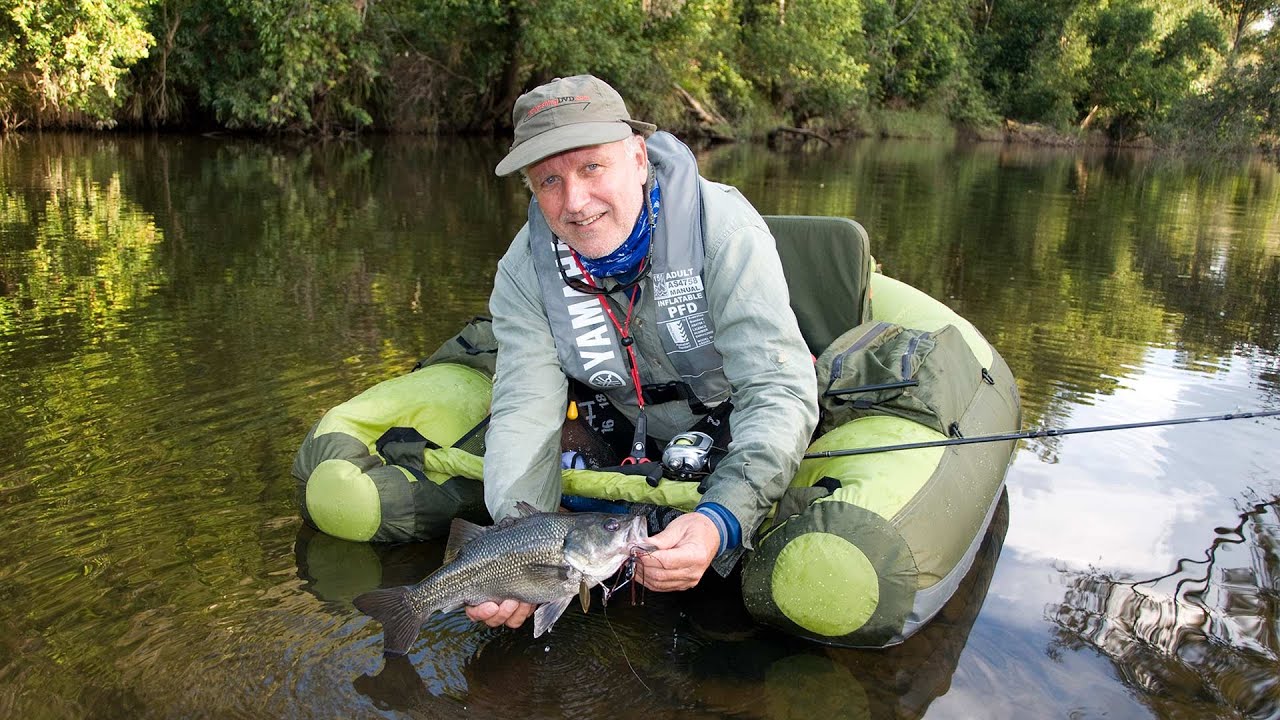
{"x": 545, "y": 559}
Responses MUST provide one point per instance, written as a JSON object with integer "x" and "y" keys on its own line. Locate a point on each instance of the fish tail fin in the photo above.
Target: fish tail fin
{"x": 391, "y": 607}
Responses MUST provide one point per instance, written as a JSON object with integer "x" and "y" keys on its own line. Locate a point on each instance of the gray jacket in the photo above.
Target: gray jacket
{"x": 765, "y": 359}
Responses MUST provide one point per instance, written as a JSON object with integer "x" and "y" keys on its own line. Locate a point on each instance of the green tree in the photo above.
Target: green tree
{"x": 61, "y": 60}
{"x": 1133, "y": 75}
{"x": 460, "y": 65}
{"x": 1242, "y": 15}
{"x": 921, "y": 54}
{"x": 293, "y": 65}
{"x": 804, "y": 56}
{"x": 1241, "y": 109}
{"x": 1019, "y": 51}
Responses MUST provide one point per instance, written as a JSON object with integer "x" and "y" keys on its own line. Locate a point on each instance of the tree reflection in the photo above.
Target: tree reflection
{"x": 1072, "y": 264}
{"x": 176, "y": 311}
{"x": 1202, "y": 637}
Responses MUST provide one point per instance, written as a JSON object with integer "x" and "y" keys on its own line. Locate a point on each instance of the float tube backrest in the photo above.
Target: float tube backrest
{"x": 827, "y": 262}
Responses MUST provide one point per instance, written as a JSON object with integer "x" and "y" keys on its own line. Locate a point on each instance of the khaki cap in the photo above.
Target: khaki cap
{"x": 564, "y": 114}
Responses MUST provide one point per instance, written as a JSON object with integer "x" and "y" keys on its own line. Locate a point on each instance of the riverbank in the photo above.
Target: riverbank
{"x": 917, "y": 125}
{"x": 702, "y": 128}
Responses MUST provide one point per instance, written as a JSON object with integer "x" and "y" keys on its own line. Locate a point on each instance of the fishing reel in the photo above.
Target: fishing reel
{"x": 688, "y": 456}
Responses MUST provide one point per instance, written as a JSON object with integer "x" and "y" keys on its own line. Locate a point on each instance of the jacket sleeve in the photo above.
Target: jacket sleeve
{"x": 522, "y": 444}
{"x": 772, "y": 374}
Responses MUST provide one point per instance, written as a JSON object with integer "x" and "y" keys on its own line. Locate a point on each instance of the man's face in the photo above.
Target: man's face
{"x": 592, "y": 196}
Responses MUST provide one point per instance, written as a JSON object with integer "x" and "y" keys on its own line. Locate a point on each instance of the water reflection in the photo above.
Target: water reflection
{"x": 176, "y": 311}
{"x": 1204, "y": 636}
{"x": 1073, "y": 265}
{"x": 698, "y": 651}
{"x": 336, "y": 571}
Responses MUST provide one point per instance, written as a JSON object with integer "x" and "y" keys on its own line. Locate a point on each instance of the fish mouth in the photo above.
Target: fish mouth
{"x": 637, "y": 535}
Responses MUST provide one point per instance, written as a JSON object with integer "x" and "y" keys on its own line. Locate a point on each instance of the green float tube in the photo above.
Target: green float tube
{"x": 861, "y": 551}
{"x": 865, "y": 549}
{"x": 360, "y": 468}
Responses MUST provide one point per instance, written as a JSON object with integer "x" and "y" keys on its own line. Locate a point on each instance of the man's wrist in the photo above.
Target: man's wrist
{"x": 726, "y": 525}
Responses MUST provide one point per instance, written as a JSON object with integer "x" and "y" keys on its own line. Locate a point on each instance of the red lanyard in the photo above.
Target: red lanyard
{"x": 628, "y": 342}
{"x": 624, "y": 329}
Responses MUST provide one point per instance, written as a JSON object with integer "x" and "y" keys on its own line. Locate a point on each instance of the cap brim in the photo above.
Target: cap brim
{"x": 569, "y": 137}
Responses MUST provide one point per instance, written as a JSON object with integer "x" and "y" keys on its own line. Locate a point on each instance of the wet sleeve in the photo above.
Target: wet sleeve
{"x": 771, "y": 371}
{"x": 522, "y": 445}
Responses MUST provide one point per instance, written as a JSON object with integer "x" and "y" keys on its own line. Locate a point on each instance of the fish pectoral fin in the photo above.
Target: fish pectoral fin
{"x": 461, "y": 532}
{"x": 546, "y": 615}
{"x": 584, "y": 595}
{"x": 548, "y": 574}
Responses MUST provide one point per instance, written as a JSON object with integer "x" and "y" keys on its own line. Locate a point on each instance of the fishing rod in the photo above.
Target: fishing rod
{"x": 1043, "y": 432}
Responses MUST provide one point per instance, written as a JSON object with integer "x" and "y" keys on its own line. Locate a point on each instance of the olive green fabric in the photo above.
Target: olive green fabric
{"x": 965, "y": 485}
{"x": 474, "y": 346}
{"x": 827, "y": 263}
{"x": 902, "y": 304}
{"x": 352, "y": 495}
{"x": 442, "y": 402}
{"x": 852, "y": 582}
{"x": 886, "y": 356}
{"x": 916, "y": 516}
{"x": 347, "y": 489}
{"x": 884, "y": 483}
{"x": 586, "y": 483}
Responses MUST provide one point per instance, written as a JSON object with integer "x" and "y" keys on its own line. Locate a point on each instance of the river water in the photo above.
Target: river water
{"x": 176, "y": 312}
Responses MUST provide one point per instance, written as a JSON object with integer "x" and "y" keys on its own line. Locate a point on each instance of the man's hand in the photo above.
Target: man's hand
{"x": 685, "y": 550}
{"x": 511, "y": 613}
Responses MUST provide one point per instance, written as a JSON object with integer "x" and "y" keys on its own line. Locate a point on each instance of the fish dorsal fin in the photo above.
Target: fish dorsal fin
{"x": 547, "y": 615}
{"x": 525, "y": 509}
{"x": 461, "y": 532}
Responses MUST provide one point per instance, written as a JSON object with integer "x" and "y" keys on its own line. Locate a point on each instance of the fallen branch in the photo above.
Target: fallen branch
{"x": 804, "y": 132}
{"x": 712, "y": 122}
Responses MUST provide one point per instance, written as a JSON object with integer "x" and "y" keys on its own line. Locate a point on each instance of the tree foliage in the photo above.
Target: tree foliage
{"x": 921, "y": 54}
{"x": 1242, "y": 15}
{"x": 1241, "y": 105}
{"x": 1132, "y": 74}
{"x": 62, "y": 60}
{"x": 803, "y": 55}
{"x": 1131, "y": 67}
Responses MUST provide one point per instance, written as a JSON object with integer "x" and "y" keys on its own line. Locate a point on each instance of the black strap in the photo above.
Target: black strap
{"x": 402, "y": 435}
{"x": 872, "y": 388}
{"x": 652, "y": 471}
{"x": 659, "y": 393}
{"x": 403, "y": 446}
{"x": 716, "y": 424}
{"x": 473, "y": 441}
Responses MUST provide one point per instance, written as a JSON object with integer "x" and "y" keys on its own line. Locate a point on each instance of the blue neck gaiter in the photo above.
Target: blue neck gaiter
{"x": 626, "y": 259}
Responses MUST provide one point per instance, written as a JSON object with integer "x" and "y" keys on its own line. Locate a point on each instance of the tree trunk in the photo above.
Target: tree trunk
{"x": 511, "y": 83}
{"x": 1088, "y": 119}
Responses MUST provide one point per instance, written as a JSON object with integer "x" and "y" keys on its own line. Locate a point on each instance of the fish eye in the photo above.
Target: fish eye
{"x": 612, "y": 524}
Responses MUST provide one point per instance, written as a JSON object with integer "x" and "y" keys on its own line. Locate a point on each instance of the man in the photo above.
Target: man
{"x": 634, "y": 272}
